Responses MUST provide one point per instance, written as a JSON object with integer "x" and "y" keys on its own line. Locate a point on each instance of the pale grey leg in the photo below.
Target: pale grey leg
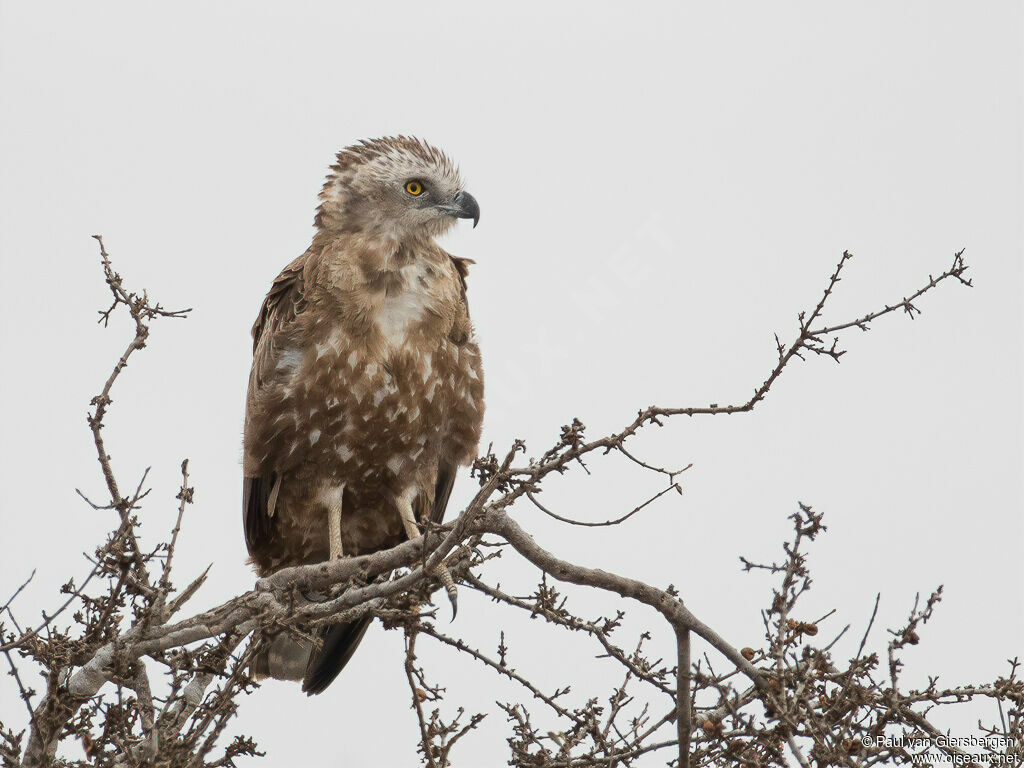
{"x": 412, "y": 530}
{"x": 334, "y": 522}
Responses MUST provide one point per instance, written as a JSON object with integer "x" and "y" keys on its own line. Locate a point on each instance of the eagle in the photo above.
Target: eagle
{"x": 366, "y": 389}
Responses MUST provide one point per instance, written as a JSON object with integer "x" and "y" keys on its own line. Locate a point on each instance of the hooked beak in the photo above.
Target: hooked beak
{"x": 466, "y": 207}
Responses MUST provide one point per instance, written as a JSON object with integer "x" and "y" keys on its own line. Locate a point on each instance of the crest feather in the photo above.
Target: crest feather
{"x": 385, "y": 151}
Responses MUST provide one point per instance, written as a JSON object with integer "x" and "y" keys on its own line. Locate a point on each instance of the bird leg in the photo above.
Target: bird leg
{"x": 412, "y": 530}
{"x": 334, "y": 524}
{"x": 334, "y": 521}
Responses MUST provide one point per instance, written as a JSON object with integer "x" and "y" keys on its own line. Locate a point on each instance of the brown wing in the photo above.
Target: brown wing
{"x": 284, "y": 301}
{"x": 446, "y": 472}
{"x": 442, "y": 491}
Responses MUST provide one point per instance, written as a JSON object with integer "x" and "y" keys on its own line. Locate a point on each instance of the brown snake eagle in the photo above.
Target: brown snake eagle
{"x": 366, "y": 390}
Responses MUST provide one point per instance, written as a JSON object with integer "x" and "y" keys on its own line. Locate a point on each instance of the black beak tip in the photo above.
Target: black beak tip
{"x": 468, "y": 207}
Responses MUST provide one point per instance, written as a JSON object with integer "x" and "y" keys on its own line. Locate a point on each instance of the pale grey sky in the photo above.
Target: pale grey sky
{"x": 662, "y": 189}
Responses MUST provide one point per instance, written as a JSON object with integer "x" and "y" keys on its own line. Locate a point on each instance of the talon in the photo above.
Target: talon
{"x": 450, "y": 588}
{"x": 453, "y": 598}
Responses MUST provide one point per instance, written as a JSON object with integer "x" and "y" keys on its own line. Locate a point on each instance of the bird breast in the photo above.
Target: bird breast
{"x": 399, "y": 311}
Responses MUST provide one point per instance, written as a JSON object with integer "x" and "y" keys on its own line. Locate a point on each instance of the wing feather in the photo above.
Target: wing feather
{"x": 442, "y": 491}
{"x": 284, "y": 301}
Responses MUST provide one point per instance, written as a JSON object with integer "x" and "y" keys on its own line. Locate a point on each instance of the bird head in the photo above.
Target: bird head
{"x": 396, "y": 188}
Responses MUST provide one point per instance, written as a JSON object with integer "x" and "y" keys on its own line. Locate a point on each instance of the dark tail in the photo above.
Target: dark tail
{"x": 339, "y": 643}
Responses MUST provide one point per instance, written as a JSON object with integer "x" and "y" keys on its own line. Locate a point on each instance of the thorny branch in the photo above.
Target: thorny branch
{"x": 791, "y": 700}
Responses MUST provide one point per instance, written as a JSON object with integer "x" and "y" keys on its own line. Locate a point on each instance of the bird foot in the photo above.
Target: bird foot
{"x": 412, "y": 530}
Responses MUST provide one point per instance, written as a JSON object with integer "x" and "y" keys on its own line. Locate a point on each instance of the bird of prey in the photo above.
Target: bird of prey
{"x": 366, "y": 390}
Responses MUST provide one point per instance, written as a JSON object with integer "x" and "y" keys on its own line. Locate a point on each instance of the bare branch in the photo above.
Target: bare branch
{"x": 735, "y": 705}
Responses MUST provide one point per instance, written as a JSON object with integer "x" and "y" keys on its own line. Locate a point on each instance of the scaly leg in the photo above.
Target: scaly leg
{"x": 334, "y": 524}
{"x": 412, "y": 530}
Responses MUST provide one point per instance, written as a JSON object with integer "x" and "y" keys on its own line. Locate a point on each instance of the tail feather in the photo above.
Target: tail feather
{"x": 283, "y": 658}
{"x": 339, "y": 643}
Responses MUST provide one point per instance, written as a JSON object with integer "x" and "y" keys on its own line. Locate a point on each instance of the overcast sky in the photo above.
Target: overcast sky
{"x": 661, "y": 191}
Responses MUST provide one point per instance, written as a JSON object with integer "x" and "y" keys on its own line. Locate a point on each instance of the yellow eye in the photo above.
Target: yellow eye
{"x": 414, "y": 188}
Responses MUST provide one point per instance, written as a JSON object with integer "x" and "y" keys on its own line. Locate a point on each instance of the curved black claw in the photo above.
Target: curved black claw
{"x": 449, "y": 587}
{"x": 453, "y": 598}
